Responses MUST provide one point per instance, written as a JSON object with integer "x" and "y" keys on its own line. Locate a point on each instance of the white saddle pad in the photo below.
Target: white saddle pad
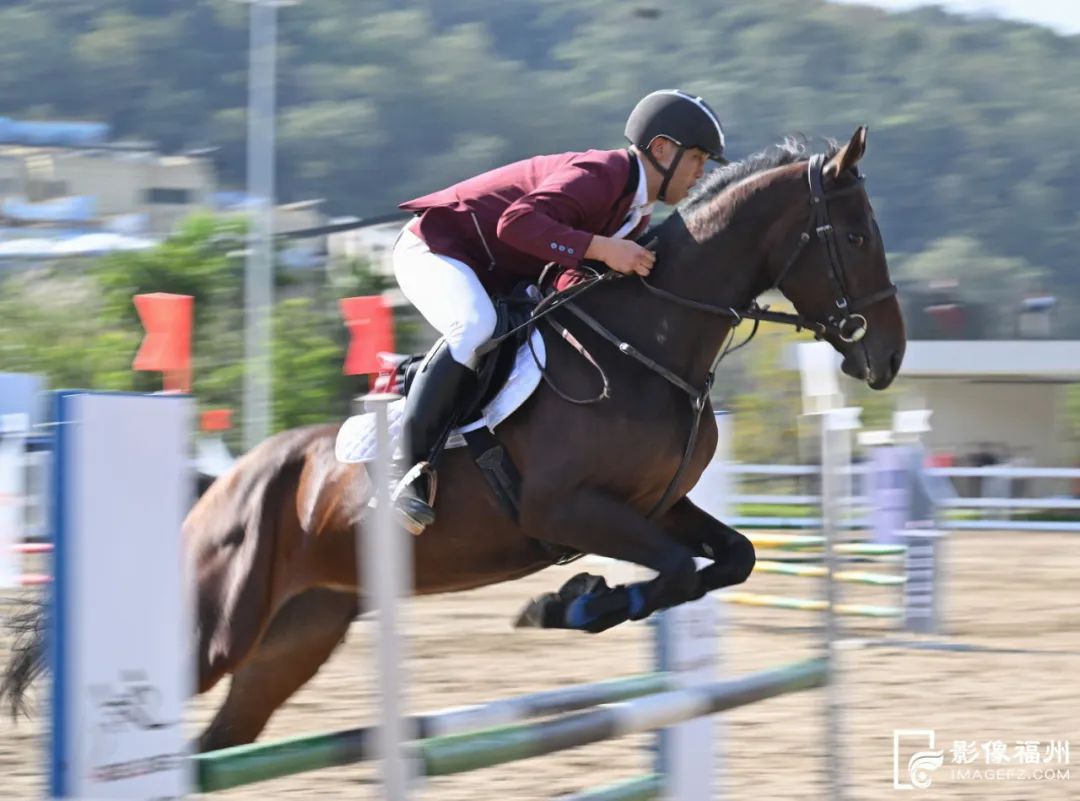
{"x": 356, "y": 439}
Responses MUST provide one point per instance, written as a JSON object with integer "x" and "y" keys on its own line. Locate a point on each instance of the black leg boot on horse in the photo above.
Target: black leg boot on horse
{"x": 430, "y": 406}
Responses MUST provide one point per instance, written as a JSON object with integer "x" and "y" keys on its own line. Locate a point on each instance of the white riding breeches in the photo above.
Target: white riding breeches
{"x": 449, "y": 295}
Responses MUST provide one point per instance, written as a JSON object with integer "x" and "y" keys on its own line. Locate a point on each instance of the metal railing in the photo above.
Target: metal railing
{"x": 1018, "y": 509}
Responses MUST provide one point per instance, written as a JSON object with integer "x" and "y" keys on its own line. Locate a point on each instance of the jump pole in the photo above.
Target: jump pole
{"x": 924, "y": 579}
{"x": 823, "y": 404}
{"x": 836, "y": 427}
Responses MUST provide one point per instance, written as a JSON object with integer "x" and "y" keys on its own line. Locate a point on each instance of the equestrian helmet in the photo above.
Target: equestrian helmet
{"x": 683, "y": 118}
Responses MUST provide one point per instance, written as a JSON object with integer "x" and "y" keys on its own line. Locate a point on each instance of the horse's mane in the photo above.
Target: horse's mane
{"x": 792, "y": 149}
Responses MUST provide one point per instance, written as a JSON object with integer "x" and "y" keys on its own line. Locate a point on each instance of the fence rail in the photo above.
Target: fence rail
{"x": 1014, "y": 509}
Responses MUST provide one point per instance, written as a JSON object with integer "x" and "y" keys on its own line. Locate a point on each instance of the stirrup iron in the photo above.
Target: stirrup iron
{"x": 417, "y": 518}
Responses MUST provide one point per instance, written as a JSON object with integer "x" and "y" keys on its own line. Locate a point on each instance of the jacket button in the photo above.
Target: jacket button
{"x": 570, "y": 251}
{"x": 554, "y": 246}
{"x": 562, "y": 248}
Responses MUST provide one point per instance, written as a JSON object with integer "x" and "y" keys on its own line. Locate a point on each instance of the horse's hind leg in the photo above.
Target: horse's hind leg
{"x": 300, "y": 639}
{"x": 236, "y": 550}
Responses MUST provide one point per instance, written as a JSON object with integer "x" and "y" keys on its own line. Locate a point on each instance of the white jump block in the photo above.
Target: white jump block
{"x": 119, "y": 616}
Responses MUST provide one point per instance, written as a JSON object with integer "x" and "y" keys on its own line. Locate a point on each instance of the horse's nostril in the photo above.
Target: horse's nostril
{"x": 894, "y": 362}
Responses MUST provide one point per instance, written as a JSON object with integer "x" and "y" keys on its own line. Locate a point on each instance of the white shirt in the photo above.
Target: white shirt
{"x": 640, "y": 206}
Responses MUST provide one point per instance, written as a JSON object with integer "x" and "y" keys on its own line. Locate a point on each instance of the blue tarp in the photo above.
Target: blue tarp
{"x": 54, "y": 133}
{"x": 86, "y": 245}
{"x": 73, "y": 208}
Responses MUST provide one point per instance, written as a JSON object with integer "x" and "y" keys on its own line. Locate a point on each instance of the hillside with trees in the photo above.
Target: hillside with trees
{"x": 973, "y": 122}
{"x": 972, "y": 161}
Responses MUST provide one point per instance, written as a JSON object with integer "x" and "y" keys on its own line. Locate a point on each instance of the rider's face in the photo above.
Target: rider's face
{"x": 691, "y": 168}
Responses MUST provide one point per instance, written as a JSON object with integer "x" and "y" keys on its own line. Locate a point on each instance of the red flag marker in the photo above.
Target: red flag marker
{"x": 216, "y": 420}
{"x": 166, "y": 348}
{"x": 371, "y": 328}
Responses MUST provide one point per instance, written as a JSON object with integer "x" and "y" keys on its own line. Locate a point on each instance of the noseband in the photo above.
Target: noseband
{"x": 847, "y": 323}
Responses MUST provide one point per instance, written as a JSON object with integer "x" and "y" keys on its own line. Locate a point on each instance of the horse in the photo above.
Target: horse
{"x": 272, "y": 542}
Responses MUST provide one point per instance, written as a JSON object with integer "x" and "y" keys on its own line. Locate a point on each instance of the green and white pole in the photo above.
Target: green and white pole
{"x": 822, "y": 399}
{"x": 837, "y": 426}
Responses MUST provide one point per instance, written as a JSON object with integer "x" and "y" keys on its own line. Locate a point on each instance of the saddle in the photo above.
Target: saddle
{"x": 492, "y": 372}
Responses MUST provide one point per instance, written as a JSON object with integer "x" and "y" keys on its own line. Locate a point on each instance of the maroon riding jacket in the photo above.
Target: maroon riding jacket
{"x": 508, "y": 223}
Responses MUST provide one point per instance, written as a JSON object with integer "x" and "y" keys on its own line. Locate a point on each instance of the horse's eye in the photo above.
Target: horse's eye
{"x": 856, "y": 239}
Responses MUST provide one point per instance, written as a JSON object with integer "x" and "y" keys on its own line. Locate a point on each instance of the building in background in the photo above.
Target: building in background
{"x": 57, "y": 176}
{"x": 373, "y": 243}
{"x": 67, "y": 189}
{"x": 942, "y": 310}
{"x": 995, "y": 401}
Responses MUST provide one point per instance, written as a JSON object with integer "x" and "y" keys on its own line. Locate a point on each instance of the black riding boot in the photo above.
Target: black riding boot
{"x": 429, "y": 406}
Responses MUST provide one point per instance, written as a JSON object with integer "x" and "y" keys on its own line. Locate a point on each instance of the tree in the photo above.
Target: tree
{"x": 309, "y": 386}
{"x": 768, "y": 401}
{"x": 76, "y": 324}
{"x": 53, "y": 324}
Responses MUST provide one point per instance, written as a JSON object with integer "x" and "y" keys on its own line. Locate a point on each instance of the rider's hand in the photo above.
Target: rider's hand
{"x": 622, "y": 255}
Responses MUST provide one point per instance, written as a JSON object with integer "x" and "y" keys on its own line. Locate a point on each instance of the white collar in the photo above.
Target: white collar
{"x": 641, "y": 196}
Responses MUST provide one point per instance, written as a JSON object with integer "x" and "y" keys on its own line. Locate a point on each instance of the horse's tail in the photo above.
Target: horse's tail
{"x": 27, "y": 625}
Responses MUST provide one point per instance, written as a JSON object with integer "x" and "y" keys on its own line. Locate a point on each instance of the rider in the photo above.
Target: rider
{"x": 484, "y": 235}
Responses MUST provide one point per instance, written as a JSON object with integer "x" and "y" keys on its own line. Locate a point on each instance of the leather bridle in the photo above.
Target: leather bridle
{"x": 848, "y": 323}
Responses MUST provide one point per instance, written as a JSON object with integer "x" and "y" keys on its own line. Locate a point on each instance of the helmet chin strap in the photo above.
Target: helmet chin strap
{"x": 668, "y": 172}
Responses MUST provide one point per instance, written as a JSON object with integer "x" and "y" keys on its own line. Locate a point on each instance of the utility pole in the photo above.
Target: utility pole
{"x": 259, "y": 269}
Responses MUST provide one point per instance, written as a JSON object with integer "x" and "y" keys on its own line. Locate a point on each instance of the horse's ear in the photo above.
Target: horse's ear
{"x": 849, "y": 154}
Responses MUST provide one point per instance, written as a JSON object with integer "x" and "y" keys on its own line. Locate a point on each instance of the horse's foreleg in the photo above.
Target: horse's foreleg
{"x": 592, "y": 521}
{"x": 732, "y": 554}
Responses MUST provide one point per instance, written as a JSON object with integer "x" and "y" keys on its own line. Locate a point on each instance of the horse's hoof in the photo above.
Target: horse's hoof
{"x": 544, "y": 612}
{"x": 584, "y": 603}
{"x": 582, "y": 584}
